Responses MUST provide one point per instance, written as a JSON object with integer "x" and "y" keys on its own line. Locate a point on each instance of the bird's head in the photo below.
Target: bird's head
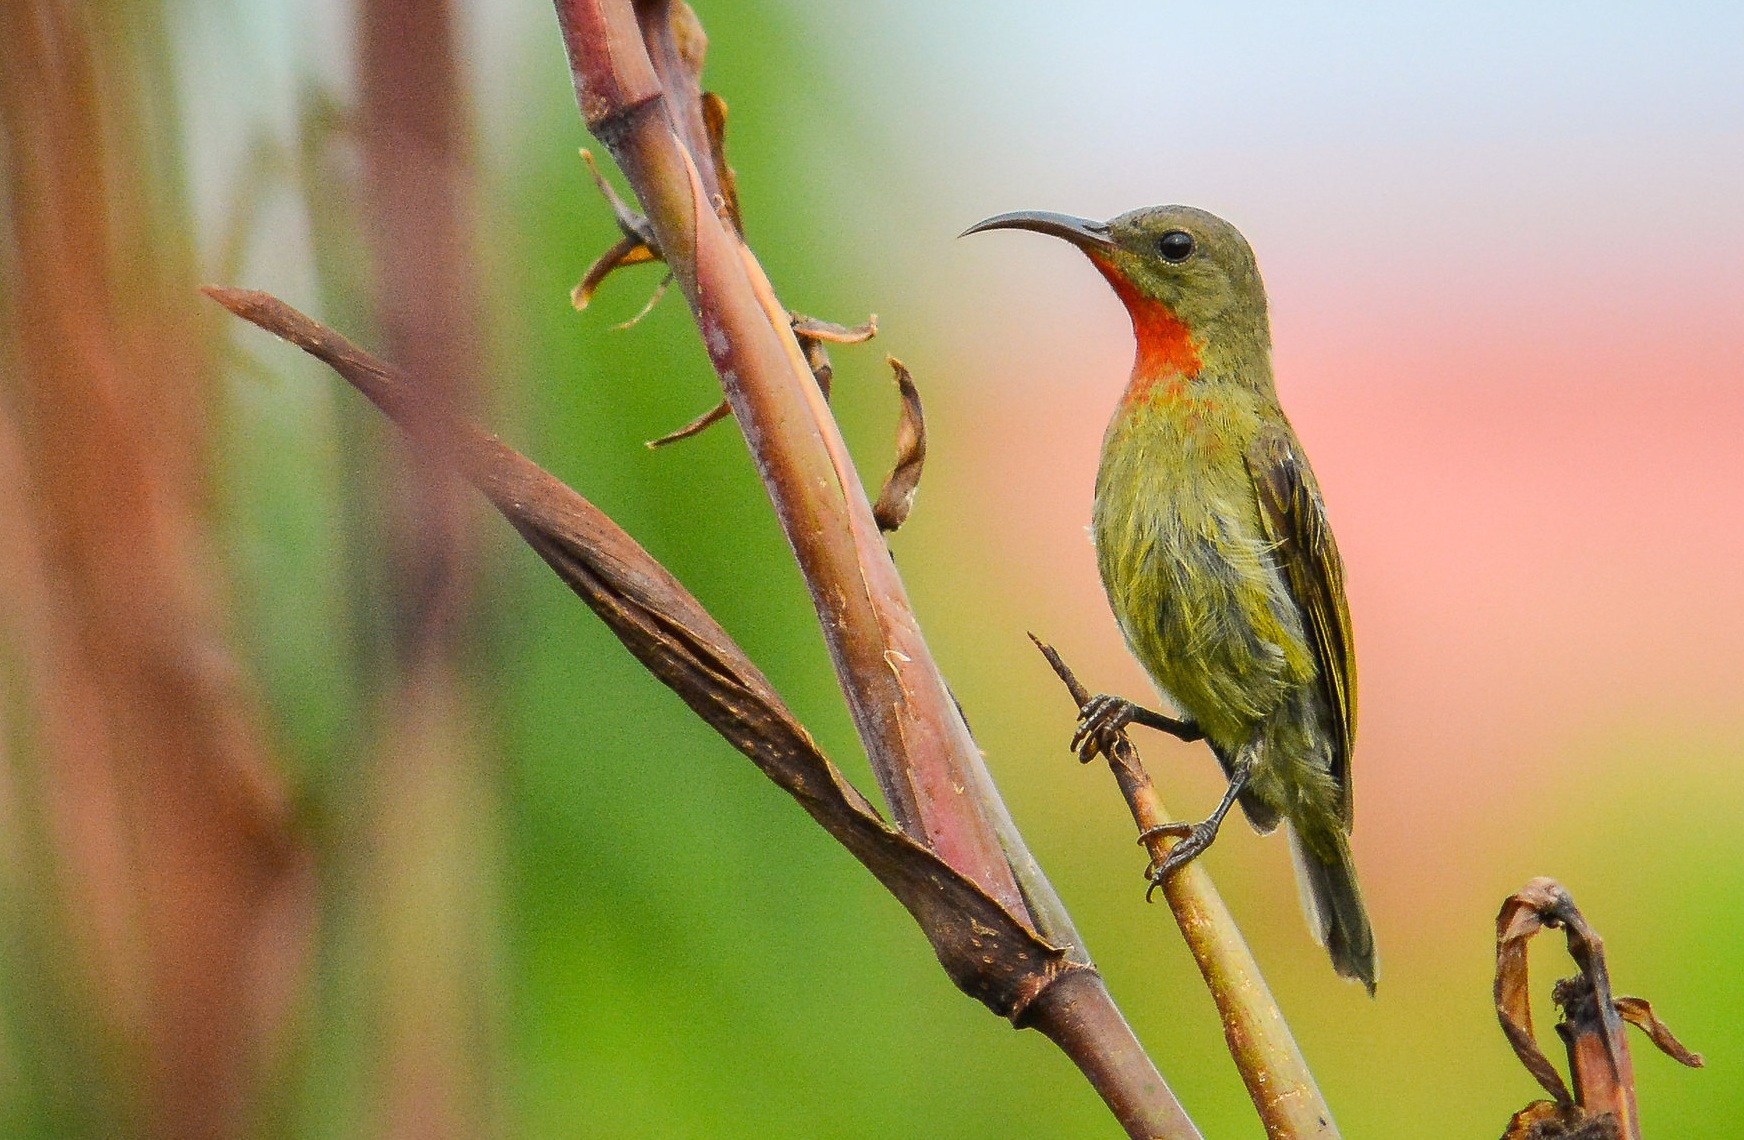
{"x": 1195, "y": 265}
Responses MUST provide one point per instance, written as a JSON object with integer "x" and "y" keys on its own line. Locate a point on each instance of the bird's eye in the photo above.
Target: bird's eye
{"x": 1175, "y": 246}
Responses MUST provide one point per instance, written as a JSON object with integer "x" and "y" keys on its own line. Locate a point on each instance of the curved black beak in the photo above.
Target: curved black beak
{"x": 1081, "y": 232}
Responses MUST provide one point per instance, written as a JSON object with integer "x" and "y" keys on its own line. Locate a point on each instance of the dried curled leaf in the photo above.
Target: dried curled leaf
{"x": 810, "y": 328}
{"x": 1541, "y": 903}
{"x": 896, "y": 497}
{"x": 626, "y": 251}
{"x": 986, "y": 951}
{"x": 1592, "y": 1018}
{"x": 1637, "y": 1012}
{"x": 637, "y": 246}
{"x": 813, "y": 334}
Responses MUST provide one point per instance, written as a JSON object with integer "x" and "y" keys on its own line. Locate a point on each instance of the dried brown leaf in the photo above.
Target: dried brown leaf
{"x": 689, "y": 38}
{"x": 1637, "y": 1012}
{"x": 637, "y": 247}
{"x": 1523, "y": 915}
{"x": 695, "y": 427}
{"x": 810, "y": 328}
{"x": 896, "y": 497}
{"x": 626, "y": 251}
{"x": 1591, "y": 1028}
{"x": 986, "y": 951}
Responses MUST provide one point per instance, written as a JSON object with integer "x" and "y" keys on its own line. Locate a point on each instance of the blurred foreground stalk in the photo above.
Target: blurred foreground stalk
{"x": 167, "y": 899}
{"x": 432, "y": 801}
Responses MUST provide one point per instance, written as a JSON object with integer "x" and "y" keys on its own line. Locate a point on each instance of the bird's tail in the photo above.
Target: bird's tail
{"x": 1333, "y": 904}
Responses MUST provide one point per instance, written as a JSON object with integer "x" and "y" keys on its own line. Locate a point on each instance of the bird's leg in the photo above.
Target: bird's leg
{"x": 1103, "y": 716}
{"x": 1196, "y": 837}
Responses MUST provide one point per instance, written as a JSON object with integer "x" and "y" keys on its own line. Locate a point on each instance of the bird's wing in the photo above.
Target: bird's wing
{"x": 1294, "y": 518}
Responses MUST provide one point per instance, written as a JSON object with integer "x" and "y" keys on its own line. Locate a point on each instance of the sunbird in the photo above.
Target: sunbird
{"x": 1214, "y": 549}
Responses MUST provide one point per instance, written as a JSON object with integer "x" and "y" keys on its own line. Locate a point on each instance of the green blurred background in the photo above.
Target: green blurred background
{"x": 1504, "y": 260}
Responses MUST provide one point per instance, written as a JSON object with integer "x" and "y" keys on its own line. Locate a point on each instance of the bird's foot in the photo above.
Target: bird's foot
{"x": 1104, "y": 717}
{"x": 1194, "y": 839}
{"x": 1100, "y": 724}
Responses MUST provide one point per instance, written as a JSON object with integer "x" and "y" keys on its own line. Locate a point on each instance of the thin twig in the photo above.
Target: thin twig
{"x": 1271, "y": 1064}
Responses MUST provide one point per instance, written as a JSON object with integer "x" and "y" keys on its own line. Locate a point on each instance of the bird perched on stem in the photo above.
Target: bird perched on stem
{"x": 1215, "y": 552}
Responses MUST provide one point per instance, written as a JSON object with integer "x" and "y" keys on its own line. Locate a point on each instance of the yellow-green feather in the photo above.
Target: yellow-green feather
{"x": 1215, "y": 552}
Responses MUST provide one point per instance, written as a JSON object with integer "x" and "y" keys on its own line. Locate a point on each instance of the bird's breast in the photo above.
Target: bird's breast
{"x": 1181, "y": 419}
{"x": 1185, "y": 561}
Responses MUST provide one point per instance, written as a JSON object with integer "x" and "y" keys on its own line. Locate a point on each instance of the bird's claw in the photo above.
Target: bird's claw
{"x": 1100, "y": 723}
{"x": 1195, "y": 838}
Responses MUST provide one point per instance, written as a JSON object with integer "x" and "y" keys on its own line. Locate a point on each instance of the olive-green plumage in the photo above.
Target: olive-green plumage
{"x": 1214, "y": 548}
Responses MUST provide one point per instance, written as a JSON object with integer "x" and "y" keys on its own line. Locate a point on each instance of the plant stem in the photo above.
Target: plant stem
{"x": 1077, "y": 1014}
{"x": 1271, "y": 1065}
{"x": 432, "y": 847}
{"x": 159, "y": 843}
{"x": 917, "y": 743}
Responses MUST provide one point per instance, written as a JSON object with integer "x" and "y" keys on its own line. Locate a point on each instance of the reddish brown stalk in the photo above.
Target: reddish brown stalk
{"x": 1077, "y": 1014}
{"x": 925, "y": 762}
{"x": 185, "y": 894}
{"x": 1265, "y": 1052}
{"x": 429, "y": 840}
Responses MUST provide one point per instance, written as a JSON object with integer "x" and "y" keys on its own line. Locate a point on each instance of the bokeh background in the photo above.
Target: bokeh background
{"x": 1506, "y": 264}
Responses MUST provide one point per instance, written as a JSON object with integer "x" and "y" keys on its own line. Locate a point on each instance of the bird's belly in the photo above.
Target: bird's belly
{"x": 1192, "y": 581}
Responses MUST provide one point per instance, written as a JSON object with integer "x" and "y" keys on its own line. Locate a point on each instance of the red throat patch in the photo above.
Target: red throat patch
{"x": 1166, "y": 352}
